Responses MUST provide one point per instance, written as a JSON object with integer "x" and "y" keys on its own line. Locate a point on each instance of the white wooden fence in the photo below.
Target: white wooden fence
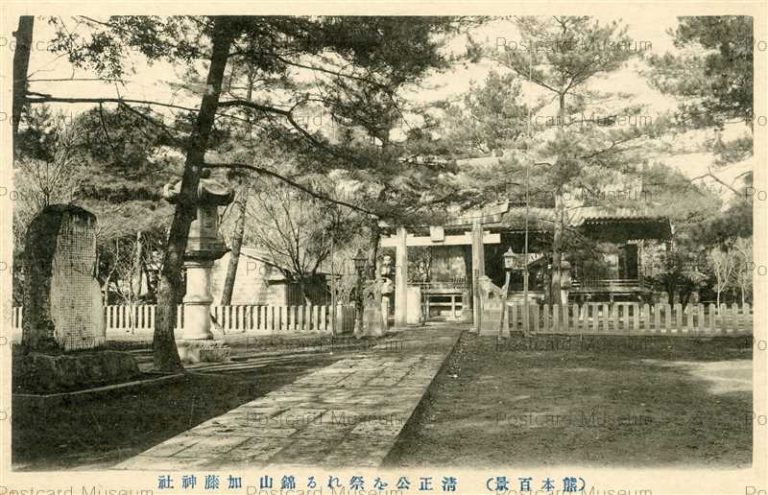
{"x": 137, "y": 322}
{"x": 625, "y": 319}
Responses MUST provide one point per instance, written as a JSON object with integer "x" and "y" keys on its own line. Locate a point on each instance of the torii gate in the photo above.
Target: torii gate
{"x": 476, "y": 238}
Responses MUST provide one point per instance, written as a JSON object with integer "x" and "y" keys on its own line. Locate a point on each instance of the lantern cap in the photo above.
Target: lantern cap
{"x": 509, "y": 259}
{"x": 210, "y": 192}
{"x": 359, "y": 259}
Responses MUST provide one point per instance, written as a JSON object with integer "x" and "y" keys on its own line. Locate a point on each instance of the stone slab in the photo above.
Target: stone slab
{"x": 347, "y": 414}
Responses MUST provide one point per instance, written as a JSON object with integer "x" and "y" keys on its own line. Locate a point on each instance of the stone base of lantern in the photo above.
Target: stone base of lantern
{"x": 203, "y": 351}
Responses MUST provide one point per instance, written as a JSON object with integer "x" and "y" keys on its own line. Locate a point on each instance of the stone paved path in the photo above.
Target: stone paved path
{"x": 346, "y": 414}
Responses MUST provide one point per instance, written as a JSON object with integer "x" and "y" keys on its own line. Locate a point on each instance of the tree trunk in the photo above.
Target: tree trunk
{"x": 671, "y": 294}
{"x": 557, "y": 256}
{"x": 165, "y": 353}
{"x": 237, "y": 242}
{"x": 557, "y": 237}
{"x": 375, "y": 239}
{"x": 105, "y": 290}
{"x": 23, "y": 36}
{"x": 136, "y": 272}
{"x": 150, "y": 286}
{"x": 241, "y": 205}
{"x": 718, "y": 299}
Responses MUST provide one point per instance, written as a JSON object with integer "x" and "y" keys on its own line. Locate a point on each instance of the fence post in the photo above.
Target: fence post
{"x": 564, "y": 320}
{"x": 323, "y": 324}
{"x": 606, "y": 308}
{"x": 511, "y": 316}
{"x": 303, "y": 318}
{"x": 678, "y": 310}
{"x": 698, "y": 323}
{"x": 636, "y": 317}
{"x": 285, "y": 318}
{"x": 667, "y": 318}
{"x": 747, "y": 317}
{"x": 712, "y": 320}
{"x": 687, "y": 316}
{"x": 627, "y": 317}
{"x": 615, "y": 317}
{"x": 722, "y": 316}
{"x": 576, "y": 315}
{"x": 316, "y": 318}
{"x": 646, "y": 317}
{"x": 735, "y": 317}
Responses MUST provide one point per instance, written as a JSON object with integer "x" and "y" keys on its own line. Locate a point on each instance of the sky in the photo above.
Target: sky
{"x": 647, "y": 29}
{"x": 150, "y": 82}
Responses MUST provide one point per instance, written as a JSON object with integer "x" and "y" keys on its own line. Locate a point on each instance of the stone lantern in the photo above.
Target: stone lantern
{"x": 204, "y": 246}
{"x": 510, "y": 260}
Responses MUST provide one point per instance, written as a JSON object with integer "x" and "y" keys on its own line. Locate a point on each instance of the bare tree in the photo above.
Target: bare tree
{"x": 722, "y": 264}
{"x": 41, "y": 182}
{"x": 744, "y": 265}
{"x": 295, "y": 230}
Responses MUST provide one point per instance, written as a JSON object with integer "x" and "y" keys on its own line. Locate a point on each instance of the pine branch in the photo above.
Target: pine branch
{"x": 292, "y": 183}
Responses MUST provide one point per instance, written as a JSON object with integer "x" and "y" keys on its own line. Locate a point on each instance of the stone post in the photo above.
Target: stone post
{"x": 198, "y": 300}
{"x": 478, "y": 271}
{"x": 401, "y": 279}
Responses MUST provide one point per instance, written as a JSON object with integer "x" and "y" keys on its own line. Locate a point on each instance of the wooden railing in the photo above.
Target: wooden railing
{"x": 610, "y": 284}
{"x": 457, "y": 283}
{"x": 125, "y": 322}
{"x": 631, "y": 318}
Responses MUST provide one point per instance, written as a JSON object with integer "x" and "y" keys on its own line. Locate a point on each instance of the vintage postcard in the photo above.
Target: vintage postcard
{"x": 383, "y": 248}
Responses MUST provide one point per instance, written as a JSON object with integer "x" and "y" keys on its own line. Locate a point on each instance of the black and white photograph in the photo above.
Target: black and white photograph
{"x": 377, "y": 252}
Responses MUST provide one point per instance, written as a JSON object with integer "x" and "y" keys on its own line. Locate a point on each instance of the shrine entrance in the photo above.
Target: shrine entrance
{"x": 449, "y": 299}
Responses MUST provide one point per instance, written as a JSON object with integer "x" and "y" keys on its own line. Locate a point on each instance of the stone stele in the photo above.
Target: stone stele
{"x": 62, "y": 298}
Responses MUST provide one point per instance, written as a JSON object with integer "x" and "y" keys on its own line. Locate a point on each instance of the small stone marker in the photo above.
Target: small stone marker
{"x": 373, "y": 320}
{"x": 62, "y": 298}
{"x": 413, "y": 314}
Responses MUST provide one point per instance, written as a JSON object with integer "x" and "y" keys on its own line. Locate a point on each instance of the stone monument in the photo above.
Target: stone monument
{"x": 62, "y": 298}
{"x": 63, "y": 308}
{"x": 204, "y": 246}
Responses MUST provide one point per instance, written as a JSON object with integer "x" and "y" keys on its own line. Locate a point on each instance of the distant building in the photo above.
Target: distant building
{"x": 259, "y": 281}
{"x": 618, "y": 260}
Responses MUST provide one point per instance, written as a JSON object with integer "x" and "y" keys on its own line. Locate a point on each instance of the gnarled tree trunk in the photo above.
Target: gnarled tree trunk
{"x": 169, "y": 287}
{"x": 241, "y": 204}
{"x": 23, "y": 36}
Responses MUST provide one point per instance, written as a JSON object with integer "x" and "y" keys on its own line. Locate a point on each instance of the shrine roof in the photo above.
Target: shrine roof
{"x": 610, "y": 224}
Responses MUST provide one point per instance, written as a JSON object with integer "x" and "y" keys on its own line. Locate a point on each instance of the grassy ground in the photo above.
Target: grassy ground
{"x": 614, "y": 402}
{"x": 103, "y": 430}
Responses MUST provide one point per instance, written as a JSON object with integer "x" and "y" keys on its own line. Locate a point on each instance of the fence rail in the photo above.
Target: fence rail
{"x": 126, "y": 322}
{"x": 617, "y": 284}
{"x": 620, "y": 318}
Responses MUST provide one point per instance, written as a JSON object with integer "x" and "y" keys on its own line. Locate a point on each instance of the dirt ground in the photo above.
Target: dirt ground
{"x": 663, "y": 402}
